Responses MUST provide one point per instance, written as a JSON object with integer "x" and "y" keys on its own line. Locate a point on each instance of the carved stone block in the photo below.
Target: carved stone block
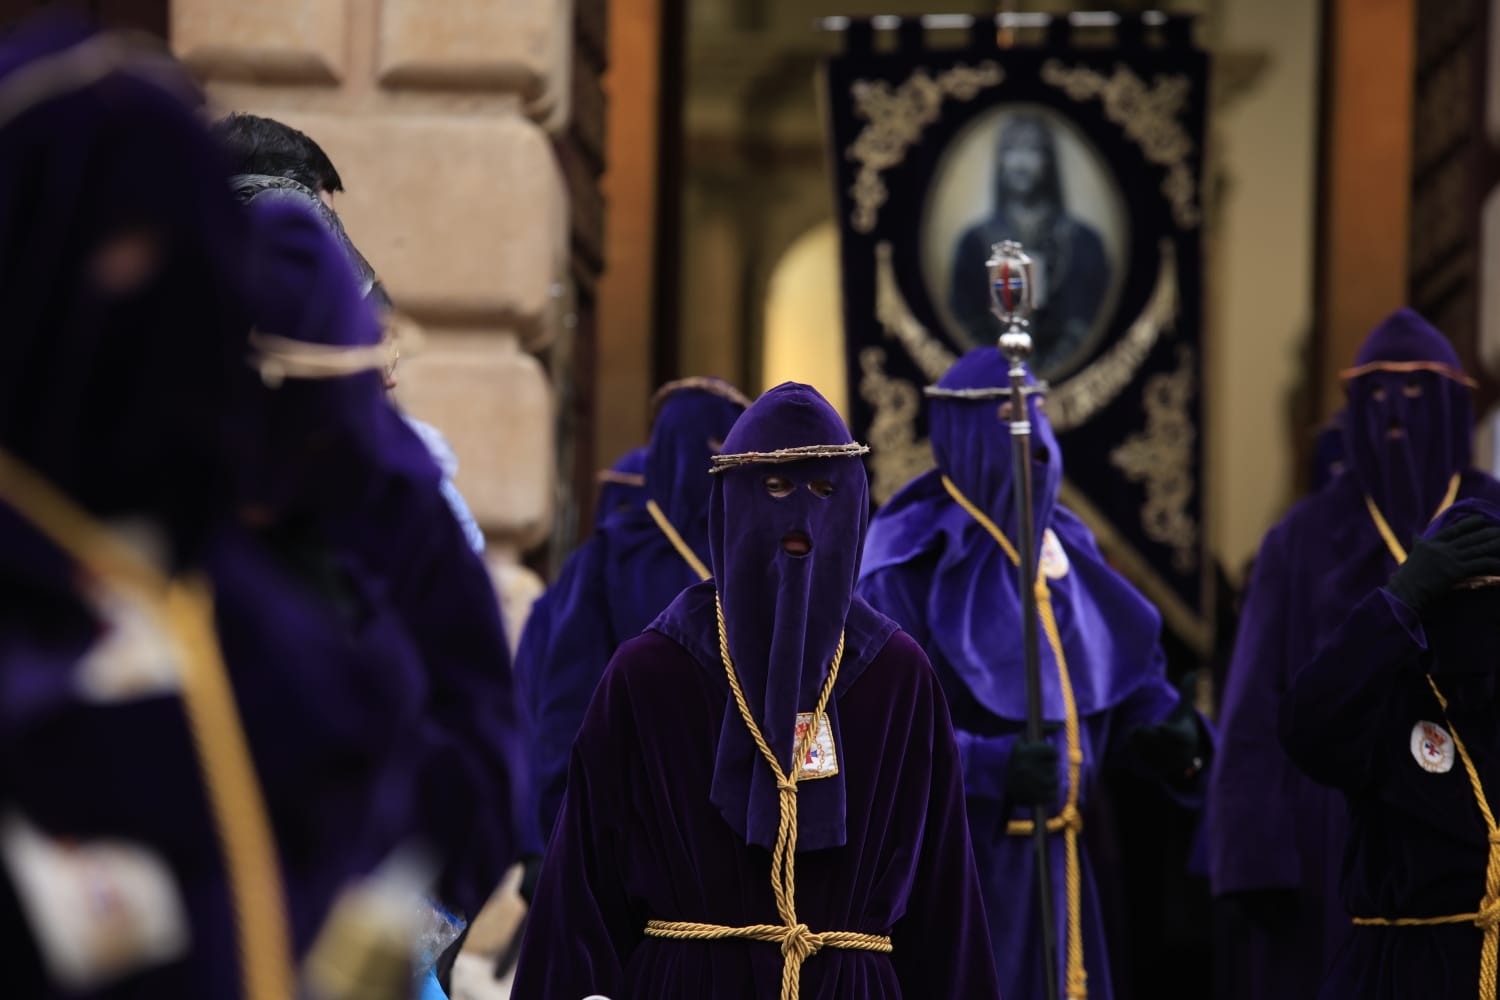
{"x": 268, "y": 40}
{"x": 465, "y": 218}
{"x": 504, "y": 45}
{"x": 494, "y": 405}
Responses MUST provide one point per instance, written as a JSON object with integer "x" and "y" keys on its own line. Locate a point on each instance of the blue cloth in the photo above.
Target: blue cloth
{"x": 431, "y": 990}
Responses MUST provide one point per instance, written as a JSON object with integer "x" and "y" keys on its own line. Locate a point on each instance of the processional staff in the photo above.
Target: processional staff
{"x": 1011, "y": 300}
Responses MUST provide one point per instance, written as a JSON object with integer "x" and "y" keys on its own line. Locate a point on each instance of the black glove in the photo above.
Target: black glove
{"x": 1173, "y": 748}
{"x": 1031, "y": 774}
{"x": 1466, "y": 548}
{"x": 1268, "y": 909}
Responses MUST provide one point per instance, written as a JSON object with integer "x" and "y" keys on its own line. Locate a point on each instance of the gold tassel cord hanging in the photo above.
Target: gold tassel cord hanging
{"x": 798, "y": 942}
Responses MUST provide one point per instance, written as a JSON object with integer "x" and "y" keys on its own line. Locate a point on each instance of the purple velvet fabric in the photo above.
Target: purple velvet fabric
{"x": 612, "y": 587}
{"x": 330, "y": 699}
{"x": 122, "y": 395}
{"x": 1408, "y": 431}
{"x": 334, "y": 464}
{"x": 1269, "y": 827}
{"x": 784, "y": 613}
{"x": 935, "y": 570}
{"x": 666, "y": 816}
{"x": 1330, "y": 456}
{"x": 122, "y": 158}
{"x": 365, "y": 649}
{"x": 615, "y": 497}
{"x": 1417, "y": 845}
{"x": 638, "y": 839}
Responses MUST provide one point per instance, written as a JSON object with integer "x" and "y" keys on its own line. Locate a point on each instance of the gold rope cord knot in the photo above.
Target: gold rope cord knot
{"x": 1068, "y": 822}
{"x": 798, "y": 942}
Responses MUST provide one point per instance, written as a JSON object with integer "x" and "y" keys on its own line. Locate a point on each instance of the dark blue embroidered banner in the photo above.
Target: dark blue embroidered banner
{"x": 1092, "y": 158}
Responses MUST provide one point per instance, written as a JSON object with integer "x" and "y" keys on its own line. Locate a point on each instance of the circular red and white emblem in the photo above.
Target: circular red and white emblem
{"x": 1432, "y": 747}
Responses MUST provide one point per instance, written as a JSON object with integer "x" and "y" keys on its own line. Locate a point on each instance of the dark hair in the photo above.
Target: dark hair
{"x": 259, "y": 145}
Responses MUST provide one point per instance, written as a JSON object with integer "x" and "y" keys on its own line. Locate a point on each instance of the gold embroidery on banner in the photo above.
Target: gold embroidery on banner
{"x": 896, "y": 116}
{"x": 1161, "y": 456}
{"x": 1074, "y": 402}
{"x": 1149, "y": 117}
{"x": 896, "y": 318}
{"x": 897, "y": 456}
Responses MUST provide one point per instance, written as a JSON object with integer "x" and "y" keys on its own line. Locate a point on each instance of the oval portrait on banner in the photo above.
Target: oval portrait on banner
{"x": 1024, "y": 172}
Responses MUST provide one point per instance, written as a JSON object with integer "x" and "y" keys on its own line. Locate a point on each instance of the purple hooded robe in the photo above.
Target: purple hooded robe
{"x": 1271, "y": 830}
{"x": 670, "y": 809}
{"x": 129, "y": 392}
{"x": 616, "y": 584}
{"x": 939, "y": 573}
{"x": 1362, "y": 718}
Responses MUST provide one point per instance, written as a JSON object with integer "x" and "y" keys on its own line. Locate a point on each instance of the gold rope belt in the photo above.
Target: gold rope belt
{"x": 1487, "y": 917}
{"x": 1069, "y": 822}
{"x": 798, "y": 943}
{"x": 184, "y": 611}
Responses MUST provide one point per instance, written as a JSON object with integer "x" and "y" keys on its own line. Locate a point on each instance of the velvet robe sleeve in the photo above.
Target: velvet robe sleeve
{"x": 560, "y": 674}
{"x": 983, "y": 758}
{"x": 1326, "y": 716}
{"x": 581, "y": 928}
{"x": 1252, "y": 801}
{"x": 472, "y": 764}
{"x": 941, "y": 945}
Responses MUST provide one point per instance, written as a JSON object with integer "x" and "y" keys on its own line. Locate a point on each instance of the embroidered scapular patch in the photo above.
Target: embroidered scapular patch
{"x": 1054, "y": 560}
{"x": 1432, "y": 747}
{"x": 821, "y": 759}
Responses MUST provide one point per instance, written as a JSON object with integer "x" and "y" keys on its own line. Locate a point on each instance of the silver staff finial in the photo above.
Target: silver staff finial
{"x": 1012, "y": 298}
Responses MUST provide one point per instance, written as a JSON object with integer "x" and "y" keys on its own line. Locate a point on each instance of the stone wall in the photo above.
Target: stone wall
{"x": 445, "y": 121}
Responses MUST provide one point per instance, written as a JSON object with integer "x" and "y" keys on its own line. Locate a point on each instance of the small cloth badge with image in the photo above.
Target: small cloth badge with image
{"x": 821, "y": 759}
{"x": 1432, "y": 747}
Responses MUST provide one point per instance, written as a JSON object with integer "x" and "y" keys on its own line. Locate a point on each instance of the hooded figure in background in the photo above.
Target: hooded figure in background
{"x": 1275, "y": 837}
{"x": 277, "y": 165}
{"x": 1398, "y": 712}
{"x": 764, "y": 799}
{"x": 1071, "y": 265}
{"x": 619, "y": 581}
{"x": 622, "y": 486}
{"x": 941, "y": 559}
{"x": 137, "y": 571}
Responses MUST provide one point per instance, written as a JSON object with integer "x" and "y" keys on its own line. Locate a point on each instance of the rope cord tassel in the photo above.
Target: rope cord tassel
{"x": 1068, "y": 822}
{"x": 798, "y": 942}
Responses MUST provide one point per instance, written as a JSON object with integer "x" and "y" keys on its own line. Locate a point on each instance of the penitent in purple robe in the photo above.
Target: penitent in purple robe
{"x": 364, "y": 650}
{"x": 616, "y": 584}
{"x": 933, "y": 568}
{"x": 671, "y": 812}
{"x": 1271, "y": 830}
{"x": 1362, "y": 718}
